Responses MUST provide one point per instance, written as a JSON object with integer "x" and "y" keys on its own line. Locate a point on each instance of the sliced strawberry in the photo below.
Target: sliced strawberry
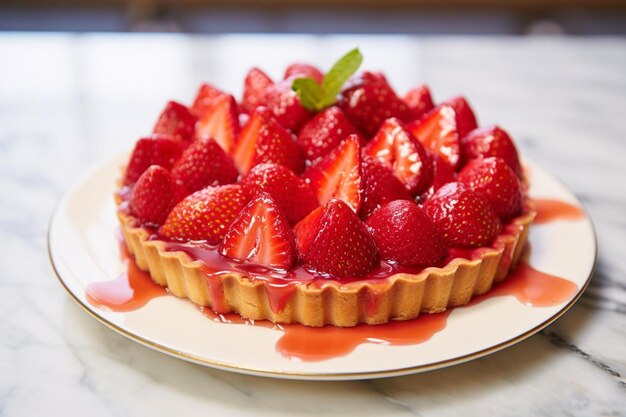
{"x": 291, "y": 193}
{"x": 153, "y": 150}
{"x": 220, "y": 122}
{"x": 262, "y": 140}
{"x": 333, "y": 240}
{"x": 203, "y": 164}
{"x": 494, "y": 179}
{"x": 438, "y": 131}
{"x": 176, "y": 120}
{"x": 254, "y": 89}
{"x": 261, "y": 235}
{"x": 396, "y": 148}
{"x": 324, "y": 132}
{"x": 419, "y": 101}
{"x": 285, "y": 105}
{"x": 368, "y": 100}
{"x": 338, "y": 175}
{"x": 380, "y": 186}
{"x": 206, "y": 97}
{"x": 406, "y": 235}
{"x": 154, "y": 195}
{"x": 466, "y": 120}
{"x": 205, "y": 215}
{"x": 300, "y": 70}
{"x": 463, "y": 217}
{"x": 491, "y": 141}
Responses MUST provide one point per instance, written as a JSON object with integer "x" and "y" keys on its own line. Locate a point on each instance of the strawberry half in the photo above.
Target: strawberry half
{"x": 405, "y": 234}
{"x": 324, "y": 132}
{"x": 494, "y": 179}
{"x": 261, "y": 235}
{"x": 300, "y": 70}
{"x": 491, "y": 141}
{"x": 462, "y": 216}
{"x": 438, "y": 131}
{"x": 203, "y": 164}
{"x": 380, "y": 186}
{"x": 338, "y": 175}
{"x": 465, "y": 118}
{"x": 368, "y": 100}
{"x": 206, "y": 97}
{"x": 332, "y": 240}
{"x": 153, "y": 150}
{"x": 176, "y": 120}
{"x": 255, "y": 84}
{"x": 220, "y": 122}
{"x": 285, "y": 105}
{"x": 419, "y": 101}
{"x": 396, "y": 148}
{"x": 154, "y": 195}
{"x": 262, "y": 140}
{"x": 291, "y": 193}
{"x": 205, "y": 215}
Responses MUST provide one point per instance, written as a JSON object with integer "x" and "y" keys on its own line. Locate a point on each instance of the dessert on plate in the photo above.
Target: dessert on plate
{"x": 324, "y": 199}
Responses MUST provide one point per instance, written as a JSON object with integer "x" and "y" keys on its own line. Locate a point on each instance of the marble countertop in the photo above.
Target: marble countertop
{"x": 67, "y": 101}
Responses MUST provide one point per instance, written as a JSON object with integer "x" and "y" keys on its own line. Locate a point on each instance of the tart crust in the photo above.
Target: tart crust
{"x": 399, "y": 297}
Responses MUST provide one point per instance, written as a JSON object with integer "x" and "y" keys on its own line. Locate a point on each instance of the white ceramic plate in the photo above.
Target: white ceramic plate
{"x": 83, "y": 249}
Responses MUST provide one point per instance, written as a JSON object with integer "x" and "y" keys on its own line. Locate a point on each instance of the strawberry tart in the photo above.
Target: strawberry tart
{"x": 324, "y": 199}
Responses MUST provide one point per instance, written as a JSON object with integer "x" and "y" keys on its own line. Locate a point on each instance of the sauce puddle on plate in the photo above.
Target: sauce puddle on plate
{"x": 135, "y": 288}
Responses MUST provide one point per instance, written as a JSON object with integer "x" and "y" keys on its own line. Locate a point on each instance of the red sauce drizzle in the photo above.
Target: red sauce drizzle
{"x": 549, "y": 210}
{"x": 130, "y": 291}
{"x": 135, "y": 288}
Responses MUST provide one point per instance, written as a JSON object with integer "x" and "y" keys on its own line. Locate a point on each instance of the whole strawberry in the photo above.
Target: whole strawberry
{"x": 324, "y": 132}
{"x": 333, "y": 241}
{"x": 261, "y": 235}
{"x": 205, "y": 215}
{"x": 368, "y": 100}
{"x": 443, "y": 173}
{"x": 494, "y": 179}
{"x": 405, "y": 234}
{"x": 203, "y": 164}
{"x": 380, "y": 186}
{"x": 292, "y": 194}
{"x": 160, "y": 150}
{"x": 285, "y": 105}
{"x": 176, "y": 120}
{"x": 154, "y": 195}
{"x": 262, "y": 140}
{"x": 491, "y": 141}
{"x": 255, "y": 84}
{"x": 463, "y": 217}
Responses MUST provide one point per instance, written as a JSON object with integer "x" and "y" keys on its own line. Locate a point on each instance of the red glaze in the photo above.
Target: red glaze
{"x": 134, "y": 289}
{"x": 130, "y": 291}
{"x": 549, "y": 210}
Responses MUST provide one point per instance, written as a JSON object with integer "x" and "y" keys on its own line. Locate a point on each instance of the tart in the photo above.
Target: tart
{"x": 324, "y": 199}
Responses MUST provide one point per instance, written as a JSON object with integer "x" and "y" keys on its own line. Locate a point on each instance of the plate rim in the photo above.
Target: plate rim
{"x": 320, "y": 376}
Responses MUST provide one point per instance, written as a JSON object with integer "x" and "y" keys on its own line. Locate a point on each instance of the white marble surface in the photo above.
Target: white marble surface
{"x": 67, "y": 101}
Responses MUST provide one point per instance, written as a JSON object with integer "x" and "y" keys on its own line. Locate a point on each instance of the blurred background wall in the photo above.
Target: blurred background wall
{"x": 489, "y": 17}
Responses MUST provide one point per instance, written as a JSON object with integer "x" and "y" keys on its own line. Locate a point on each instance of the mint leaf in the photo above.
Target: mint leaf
{"x": 316, "y": 97}
{"x": 309, "y": 91}
{"x": 338, "y": 75}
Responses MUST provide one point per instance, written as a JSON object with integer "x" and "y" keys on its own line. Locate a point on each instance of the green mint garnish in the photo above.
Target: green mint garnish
{"x": 317, "y": 97}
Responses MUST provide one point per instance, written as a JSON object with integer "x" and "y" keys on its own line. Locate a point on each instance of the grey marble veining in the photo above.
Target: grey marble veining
{"x": 67, "y": 101}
